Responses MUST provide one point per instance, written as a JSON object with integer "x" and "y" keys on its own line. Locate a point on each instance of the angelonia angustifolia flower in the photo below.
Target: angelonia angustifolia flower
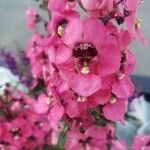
{"x": 84, "y": 66}
{"x": 21, "y": 127}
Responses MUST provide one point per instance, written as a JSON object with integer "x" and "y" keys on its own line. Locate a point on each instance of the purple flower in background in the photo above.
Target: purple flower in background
{"x": 136, "y": 94}
{"x": 24, "y": 69}
{"x": 12, "y": 64}
{"x": 17, "y": 66}
{"x": 7, "y": 60}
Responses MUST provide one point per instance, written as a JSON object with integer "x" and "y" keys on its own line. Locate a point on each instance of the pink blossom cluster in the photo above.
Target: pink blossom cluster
{"x": 85, "y": 65}
{"x": 28, "y": 125}
{"x": 21, "y": 127}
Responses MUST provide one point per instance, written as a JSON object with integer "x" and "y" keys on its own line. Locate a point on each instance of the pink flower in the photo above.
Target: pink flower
{"x": 37, "y": 52}
{"x": 76, "y": 104}
{"x": 133, "y": 5}
{"x": 124, "y": 39}
{"x": 16, "y": 132}
{"x": 131, "y": 61}
{"x": 43, "y": 104}
{"x": 93, "y": 5}
{"x": 123, "y": 88}
{"x": 52, "y": 79}
{"x": 141, "y": 142}
{"x": 49, "y": 105}
{"x": 83, "y": 85}
{"x": 31, "y": 15}
{"x": 93, "y": 138}
{"x": 91, "y": 59}
{"x": 62, "y": 24}
{"x": 54, "y": 118}
{"x": 61, "y": 5}
{"x": 85, "y": 65}
{"x": 20, "y": 126}
{"x": 55, "y": 115}
{"x": 113, "y": 107}
{"x": 59, "y": 54}
{"x": 81, "y": 122}
{"x": 40, "y": 128}
{"x": 132, "y": 22}
{"x": 134, "y": 26}
{"x": 8, "y": 147}
{"x": 119, "y": 145}
{"x": 98, "y": 7}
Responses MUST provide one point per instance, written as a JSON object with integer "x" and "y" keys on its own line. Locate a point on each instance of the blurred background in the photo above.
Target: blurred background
{"x": 14, "y": 35}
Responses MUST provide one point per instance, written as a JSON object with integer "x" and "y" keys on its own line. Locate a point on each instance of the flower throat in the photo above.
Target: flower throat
{"x": 84, "y": 52}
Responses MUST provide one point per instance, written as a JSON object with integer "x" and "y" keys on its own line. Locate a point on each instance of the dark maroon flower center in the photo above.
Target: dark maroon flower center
{"x": 123, "y": 61}
{"x": 62, "y": 22}
{"x": 38, "y": 124}
{"x": 84, "y": 52}
{"x": 16, "y": 133}
{"x": 148, "y": 143}
{"x": 87, "y": 141}
{"x": 120, "y": 20}
{"x": 71, "y": 0}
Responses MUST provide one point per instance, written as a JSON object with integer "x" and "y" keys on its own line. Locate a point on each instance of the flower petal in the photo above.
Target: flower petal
{"x": 100, "y": 97}
{"x": 41, "y": 106}
{"x": 75, "y": 108}
{"x": 131, "y": 61}
{"x": 94, "y": 31}
{"x": 123, "y": 88}
{"x": 59, "y": 5}
{"x": 132, "y": 4}
{"x": 120, "y": 106}
{"x": 109, "y": 62}
{"x": 73, "y": 32}
{"x": 85, "y": 85}
{"x": 56, "y": 113}
{"x": 62, "y": 54}
{"x": 124, "y": 40}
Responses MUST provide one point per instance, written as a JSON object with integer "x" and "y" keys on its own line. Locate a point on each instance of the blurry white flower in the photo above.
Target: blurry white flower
{"x": 126, "y": 131}
{"x": 6, "y": 76}
{"x": 140, "y": 109}
{"x": 144, "y": 129}
{"x": 138, "y": 121}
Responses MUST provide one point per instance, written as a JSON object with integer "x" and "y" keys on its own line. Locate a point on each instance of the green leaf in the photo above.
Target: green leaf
{"x": 40, "y": 88}
{"x": 53, "y": 148}
{"x": 100, "y": 120}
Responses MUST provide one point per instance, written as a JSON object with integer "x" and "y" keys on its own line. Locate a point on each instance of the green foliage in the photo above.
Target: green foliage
{"x": 39, "y": 88}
